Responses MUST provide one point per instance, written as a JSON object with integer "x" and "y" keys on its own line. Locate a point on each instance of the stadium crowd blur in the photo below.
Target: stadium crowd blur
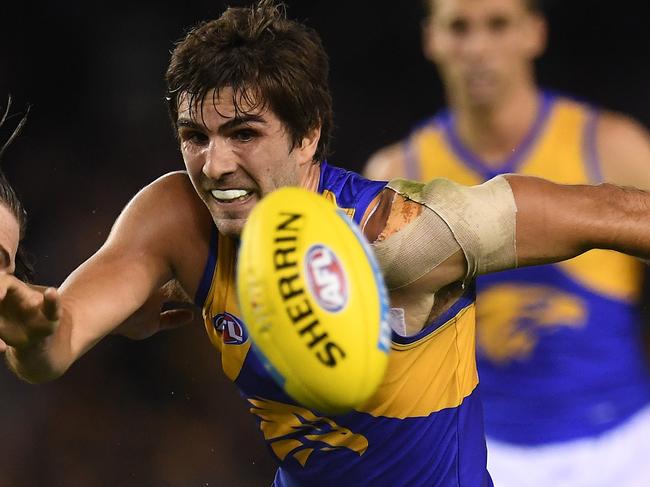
{"x": 159, "y": 412}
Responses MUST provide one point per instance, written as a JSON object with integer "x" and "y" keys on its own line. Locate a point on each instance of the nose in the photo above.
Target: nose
{"x": 476, "y": 43}
{"x": 220, "y": 160}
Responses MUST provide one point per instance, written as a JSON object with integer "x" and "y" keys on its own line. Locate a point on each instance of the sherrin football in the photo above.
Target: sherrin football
{"x": 313, "y": 300}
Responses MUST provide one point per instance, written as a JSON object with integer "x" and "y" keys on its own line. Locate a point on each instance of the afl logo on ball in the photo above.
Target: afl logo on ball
{"x": 326, "y": 278}
{"x": 231, "y": 329}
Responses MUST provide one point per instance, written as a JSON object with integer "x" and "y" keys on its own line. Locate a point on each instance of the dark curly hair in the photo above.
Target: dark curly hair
{"x": 9, "y": 198}
{"x": 266, "y": 59}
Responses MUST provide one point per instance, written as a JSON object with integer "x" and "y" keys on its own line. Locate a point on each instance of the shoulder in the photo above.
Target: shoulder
{"x": 616, "y": 131}
{"x": 166, "y": 218}
{"x": 387, "y": 163}
{"x": 171, "y": 188}
{"x": 623, "y": 148}
{"x": 169, "y": 200}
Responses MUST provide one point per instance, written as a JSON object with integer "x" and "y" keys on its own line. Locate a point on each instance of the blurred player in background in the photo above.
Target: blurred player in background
{"x": 564, "y": 378}
{"x": 249, "y": 98}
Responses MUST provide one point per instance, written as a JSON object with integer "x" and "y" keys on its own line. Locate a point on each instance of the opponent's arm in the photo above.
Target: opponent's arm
{"x": 623, "y": 150}
{"x": 47, "y": 332}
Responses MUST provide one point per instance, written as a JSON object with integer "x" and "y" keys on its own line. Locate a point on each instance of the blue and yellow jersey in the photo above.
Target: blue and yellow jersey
{"x": 424, "y": 426}
{"x": 559, "y": 345}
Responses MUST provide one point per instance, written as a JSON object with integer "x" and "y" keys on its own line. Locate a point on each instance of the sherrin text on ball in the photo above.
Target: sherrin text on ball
{"x": 313, "y": 300}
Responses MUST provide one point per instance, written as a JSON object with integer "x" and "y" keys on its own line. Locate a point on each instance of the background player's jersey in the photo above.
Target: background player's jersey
{"x": 424, "y": 426}
{"x": 559, "y": 345}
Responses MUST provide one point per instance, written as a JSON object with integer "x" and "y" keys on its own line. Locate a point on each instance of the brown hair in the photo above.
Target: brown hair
{"x": 266, "y": 59}
{"x": 9, "y": 198}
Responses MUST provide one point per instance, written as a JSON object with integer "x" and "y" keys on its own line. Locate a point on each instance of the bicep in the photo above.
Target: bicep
{"x": 415, "y": 247}
{"x": 557, "y": 222}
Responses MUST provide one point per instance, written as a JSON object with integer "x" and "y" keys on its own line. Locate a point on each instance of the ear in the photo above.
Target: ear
{"x": 308, "y": 146}
{"x": 538, "y": 37}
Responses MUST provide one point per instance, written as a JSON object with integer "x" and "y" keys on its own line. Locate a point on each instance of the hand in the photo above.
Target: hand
{"x": 168, "y": 308}
{"x": 27, "y": 315}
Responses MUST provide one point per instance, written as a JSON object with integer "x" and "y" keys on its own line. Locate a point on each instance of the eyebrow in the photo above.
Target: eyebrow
{"x": 229, "y": 125}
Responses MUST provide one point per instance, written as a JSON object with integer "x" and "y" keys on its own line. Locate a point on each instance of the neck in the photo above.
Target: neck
{"x": 311, "y": 177}
{"x": 493, "y": 132}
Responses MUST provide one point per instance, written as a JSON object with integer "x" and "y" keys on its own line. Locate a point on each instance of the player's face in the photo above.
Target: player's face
{"x": 9, "y": 237}
{"x": 483, "y": 48}
{"x": 234, "y": 161}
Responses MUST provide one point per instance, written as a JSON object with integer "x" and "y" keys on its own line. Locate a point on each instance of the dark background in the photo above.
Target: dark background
{"x": 159, "y": 412}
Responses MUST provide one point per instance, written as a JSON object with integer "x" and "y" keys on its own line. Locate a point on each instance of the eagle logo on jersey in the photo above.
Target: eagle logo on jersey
{"x": 294, "y": 431}
{"x": 512, "y": 319}
{"x": 231, "y": 329}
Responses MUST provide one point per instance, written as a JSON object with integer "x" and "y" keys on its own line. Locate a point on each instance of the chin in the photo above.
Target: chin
{"x": 481, "y": 101}
{"x": 229, "y": 227}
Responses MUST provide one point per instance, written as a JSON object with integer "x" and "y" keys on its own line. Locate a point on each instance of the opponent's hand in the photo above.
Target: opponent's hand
{"x": 166, "y": 309}
{"x": 27, "y": 315}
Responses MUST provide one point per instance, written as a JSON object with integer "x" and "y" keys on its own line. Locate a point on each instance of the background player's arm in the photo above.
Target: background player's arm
{"x": 46, "y": 335}
{"x": 386, "y": 164}
{"x": 623, "y": 149}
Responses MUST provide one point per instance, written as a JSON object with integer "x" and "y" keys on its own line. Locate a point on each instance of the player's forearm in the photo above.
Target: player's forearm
{"x": 556, "y": 222}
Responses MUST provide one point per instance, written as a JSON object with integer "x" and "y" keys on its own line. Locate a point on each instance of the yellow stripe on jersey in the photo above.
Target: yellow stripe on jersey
{"x": 431, "y": 374}
{"x": 332, "y": 197}
{"x": 437, "y": 160}
{"x": 607, "y": 272}
{"x": 223, "y": 296}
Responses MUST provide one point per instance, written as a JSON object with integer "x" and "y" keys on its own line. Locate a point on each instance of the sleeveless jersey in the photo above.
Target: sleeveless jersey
{"x": 424, "y": 426}
{"x": 559, "y": 346}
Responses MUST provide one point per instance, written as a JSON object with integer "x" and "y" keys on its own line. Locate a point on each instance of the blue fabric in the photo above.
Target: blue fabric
{"x": 578, "y": 381}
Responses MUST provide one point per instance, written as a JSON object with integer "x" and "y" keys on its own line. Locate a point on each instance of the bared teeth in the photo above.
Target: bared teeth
{"x": 229, "y": 194}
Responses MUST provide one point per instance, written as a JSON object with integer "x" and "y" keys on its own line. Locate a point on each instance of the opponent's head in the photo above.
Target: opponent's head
{"x": 249, "y": 95}
{"x": 10, "y": 226}
{"x": 484, "y": 49}
{"x": 13, "y": 218}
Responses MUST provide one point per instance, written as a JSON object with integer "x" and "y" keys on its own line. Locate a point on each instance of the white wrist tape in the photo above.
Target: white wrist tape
{"x": 479, "y": 220}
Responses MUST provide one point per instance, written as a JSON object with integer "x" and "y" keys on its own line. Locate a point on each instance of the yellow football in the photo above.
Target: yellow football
{"x": 313, "y": 300}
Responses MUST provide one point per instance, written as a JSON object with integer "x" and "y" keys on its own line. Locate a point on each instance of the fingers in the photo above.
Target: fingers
{"x": 3, "y": 346}
{"x": 28, "y": 314}
{"x": 51, "y": 304}
{"x": 174, "y": 318}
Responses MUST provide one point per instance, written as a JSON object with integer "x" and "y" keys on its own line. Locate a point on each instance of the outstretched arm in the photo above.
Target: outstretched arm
{"x": 557, "y": 222}
{"x": 47, "y": 331}
{"x": 504, "y": 223}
